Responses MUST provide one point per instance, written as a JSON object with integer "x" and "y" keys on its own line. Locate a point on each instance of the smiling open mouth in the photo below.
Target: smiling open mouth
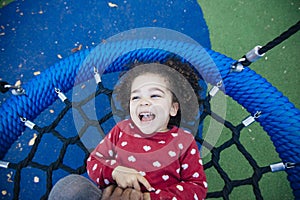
{"x": 146, "y": 116}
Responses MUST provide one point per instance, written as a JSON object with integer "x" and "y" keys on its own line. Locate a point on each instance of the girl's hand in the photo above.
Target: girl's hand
{"x": 116, "y": 193}
{"x": 146, "y": 196}
{"x": 130, "y": 178}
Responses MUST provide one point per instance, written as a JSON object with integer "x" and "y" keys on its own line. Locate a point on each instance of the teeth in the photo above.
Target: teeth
{"x": 146, "y": 116}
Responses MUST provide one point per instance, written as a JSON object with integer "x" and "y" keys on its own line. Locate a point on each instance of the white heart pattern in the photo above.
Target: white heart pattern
{"x": 110, "y": 152}
{"x": 193, "y": 151}
{"x": 205, "y": 184}
{"x": 131, "y": 159}
{"x": 147, "y": 148}
{"x": 137, "y": 135}
{"x": 112, "y": 162}
{"x": 156, "y": 164}
{"x": 196, "y": 175}
{"x": 174, "y": 134}
{"x": 99, "y": 154}
{"x": 195, "y": 197}
{"x": 185, "y": 166}
{"x": 172, "y": 153}
{"x": 165, "y": 177}
{"x": 200, "y": 162}
{"x": 179, "y": 187}
{"x": 131, "y": 126}
{"x": 180, "y": 146}
{"x": 161, "y": 142}
{"x": 123, "y": 143}
{"x": 106, "y": 181}
{"x": 95, "y": 167}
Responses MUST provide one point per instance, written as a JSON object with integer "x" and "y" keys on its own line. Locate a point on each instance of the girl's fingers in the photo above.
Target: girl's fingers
{"x": 136, "y": 195}
{"x": 144, "y": 182}
{"x": 126, "y": 194}
{"x": 136, "y": 185}
{"x": 107, "y": 192}
{"x": 132, "y": 194}
{"x": 116, "y": 194}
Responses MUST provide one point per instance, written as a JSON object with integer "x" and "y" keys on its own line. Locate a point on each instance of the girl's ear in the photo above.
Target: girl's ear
{"x": 174, "y": 109}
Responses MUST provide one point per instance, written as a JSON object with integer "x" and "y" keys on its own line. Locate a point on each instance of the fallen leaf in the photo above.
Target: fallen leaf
{"x": 37, "y": 73}
{"x": 32, "y": 140}
{"x": 112, "y": 5}
{"x": 18, "y": 83}
{"x": 36, "y": 179}
{"x": 77, "y": 48}
{"x": 9, "y": 177}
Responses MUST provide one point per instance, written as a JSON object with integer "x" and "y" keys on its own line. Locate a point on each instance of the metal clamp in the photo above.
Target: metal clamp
{"x": 253, "y": 55}
{"x": 289, "y": 165}
{"x": 282, "y": 166}
{"x": 16, "y": 90}
{"x": 237, "y": 66}
{"x": 4, "y": 164}
{"x": 249, "y": 120}
{"x": 97, "y": 76}
{"x": 215, "y": 89}
{"x": 60, "y": 95}
{"x": 250, "y": 57}
{"x": 28, "y": 123}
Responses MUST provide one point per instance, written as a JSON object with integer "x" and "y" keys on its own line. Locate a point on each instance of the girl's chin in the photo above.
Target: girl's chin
{"x": 147, "y": 129}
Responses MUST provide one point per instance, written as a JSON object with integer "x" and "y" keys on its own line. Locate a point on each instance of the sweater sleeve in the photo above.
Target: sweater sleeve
{"x": 102, "y": 160}
{"x": 193, "y": 183}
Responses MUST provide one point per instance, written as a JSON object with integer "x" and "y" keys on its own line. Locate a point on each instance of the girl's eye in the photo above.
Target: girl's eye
{"x": 155, "y": 96}
{"x": 134, "y": 98}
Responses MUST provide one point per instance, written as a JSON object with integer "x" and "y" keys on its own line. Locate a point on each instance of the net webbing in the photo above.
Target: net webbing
{"x": 63, "y": 153}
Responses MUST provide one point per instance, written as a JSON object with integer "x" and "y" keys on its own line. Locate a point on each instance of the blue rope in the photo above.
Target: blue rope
{"x": 279, "y": 118}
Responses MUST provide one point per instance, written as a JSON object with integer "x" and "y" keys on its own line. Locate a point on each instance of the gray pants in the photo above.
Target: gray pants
{"x": 75, "y": 187}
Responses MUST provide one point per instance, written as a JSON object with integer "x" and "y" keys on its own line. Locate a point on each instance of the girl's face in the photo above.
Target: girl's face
{"x": 151, "y": 103}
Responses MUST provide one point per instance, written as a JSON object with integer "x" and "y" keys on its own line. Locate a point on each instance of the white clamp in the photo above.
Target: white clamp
{"x": 249, "y": 120}
{"x": 215, "y": 89}
{"x": 28, "y": 123}
{"x": 253, "y": 55}
{"x": 60, "y": 95}
{"x": 97, "y": 76}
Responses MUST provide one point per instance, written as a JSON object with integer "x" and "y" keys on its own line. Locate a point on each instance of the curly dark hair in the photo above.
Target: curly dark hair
{"x": 183, "y": 85}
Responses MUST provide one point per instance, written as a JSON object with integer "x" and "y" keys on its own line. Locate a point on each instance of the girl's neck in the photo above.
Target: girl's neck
{"x": 163, "y": 130}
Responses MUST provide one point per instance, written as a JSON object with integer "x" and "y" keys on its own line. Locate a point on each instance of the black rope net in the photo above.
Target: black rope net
{"x": 57, "y": 148}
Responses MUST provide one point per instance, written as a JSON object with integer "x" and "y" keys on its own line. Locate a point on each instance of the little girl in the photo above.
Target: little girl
{"x": 148, "y": 151}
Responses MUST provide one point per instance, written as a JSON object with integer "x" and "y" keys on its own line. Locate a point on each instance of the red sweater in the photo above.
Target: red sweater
{"x": 170, "y": 161}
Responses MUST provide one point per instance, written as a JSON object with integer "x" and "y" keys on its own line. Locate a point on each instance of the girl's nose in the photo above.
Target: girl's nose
{"x": 145, "y": 102}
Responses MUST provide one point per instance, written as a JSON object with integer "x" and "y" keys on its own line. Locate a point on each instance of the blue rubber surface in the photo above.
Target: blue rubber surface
{"x": 37, "y": 34}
